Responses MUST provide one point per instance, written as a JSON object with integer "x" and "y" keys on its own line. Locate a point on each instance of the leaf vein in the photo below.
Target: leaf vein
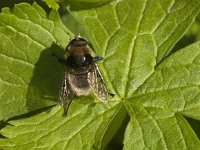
{"x": 174, "y": 29}
{"x": 84, "y": 126}
{"x": 181, "y": 132}
{"x": 6, "y": 36}
{"x": 158, "y": 127}
{"x": 17, "y": 60}
{"x": 131, "y": 49}
{"x": 142, "y": 131}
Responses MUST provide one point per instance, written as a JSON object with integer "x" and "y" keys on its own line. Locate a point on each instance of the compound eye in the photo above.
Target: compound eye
{"x": 84, "y": 60}
{"x": 71, "y": 61}
{"x": 76, "y": 61}
{"x": 81, "y": 60}
{"x": 88, "y": 59}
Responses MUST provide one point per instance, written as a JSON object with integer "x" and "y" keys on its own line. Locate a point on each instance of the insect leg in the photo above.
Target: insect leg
{"x": 66, "y": 107}
{"x": 98, "y": 58}
{"x": 60, "y": 60}
{"x": 66, "y": 94}
{"x": 111, "y": 94}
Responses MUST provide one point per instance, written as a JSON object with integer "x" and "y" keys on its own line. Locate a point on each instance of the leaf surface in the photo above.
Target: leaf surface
{"x": 52, "y": 3}
{"x": 175, "y": 83}
{"x": 155, "y": 128}
{"x": 134, "y": 37}
{"x": 82, "y": 129}
{"x": 28, "y": 38}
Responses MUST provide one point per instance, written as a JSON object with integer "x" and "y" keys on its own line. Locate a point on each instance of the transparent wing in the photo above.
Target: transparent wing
{"x": 97, "y": 84}
{"x": 66, "y": 93}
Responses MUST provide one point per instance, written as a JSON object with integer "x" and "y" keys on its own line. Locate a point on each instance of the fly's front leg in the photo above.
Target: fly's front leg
{"x": 66, "y": 103}
{"x": 111, "y": 94}
{"x": 98, "y": 58}
{"x": 66, "y": 106}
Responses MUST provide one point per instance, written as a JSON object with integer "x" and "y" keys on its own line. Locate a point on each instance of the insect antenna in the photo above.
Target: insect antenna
{"x": 98, "y": 58}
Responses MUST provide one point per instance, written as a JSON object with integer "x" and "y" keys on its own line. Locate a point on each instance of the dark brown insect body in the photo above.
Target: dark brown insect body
{"x": 81, "y": 74}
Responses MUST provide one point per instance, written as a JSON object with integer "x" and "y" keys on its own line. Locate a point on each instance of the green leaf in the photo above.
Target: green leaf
{"x": 156, "y": 128}
{"x": 28, "y": 37}
{"x": 50, "y": 130}
{"x": 90, "y": 1}
{"x": 175, "y": 84}
{"x": 52, "y": 3}
{"x": 134, "y": 37}
{"x": 85, "y": 4}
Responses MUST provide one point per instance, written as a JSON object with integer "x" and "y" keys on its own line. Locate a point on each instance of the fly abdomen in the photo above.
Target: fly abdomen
{"x": 79, "y": 84}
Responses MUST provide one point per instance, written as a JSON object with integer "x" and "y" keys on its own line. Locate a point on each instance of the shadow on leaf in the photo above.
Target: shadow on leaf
{"x": 45, "y": 83}
{"x": 11, "y": 4}
{"x": 82, "y": 5}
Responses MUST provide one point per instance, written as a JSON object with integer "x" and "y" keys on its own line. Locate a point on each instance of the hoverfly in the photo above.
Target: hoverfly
{"x": 81, "y": 75}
